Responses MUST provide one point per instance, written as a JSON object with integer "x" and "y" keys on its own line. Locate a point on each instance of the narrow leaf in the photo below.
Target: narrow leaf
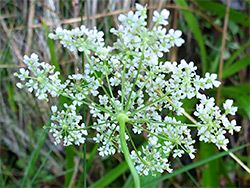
{"x": 237, "y": 66}
{"x": 220, "y": 10}
{"x": 194, "y": 26}
{"x": 111, "y": 176}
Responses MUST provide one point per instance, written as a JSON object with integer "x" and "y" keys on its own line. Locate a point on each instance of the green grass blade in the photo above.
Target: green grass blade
{"x": 210, "y": 174}
{"x": 49, "y": 178}
{"x": 224, "y": 171}
{"x": 196, "y": 164}
{"x": 3, "y": 176}
{"x": 50, "y": 43}
{"x": 241, "y": 88}
{"x": 244, "y": 107}
{"x": 89, "y": 163}
{"x": 128, "y": 182}
{"x": 194, "y": 26}
{"x": 237, "y": 66}
{"x": 144, "y": 180}
{"x": 111, "y": 176}
{"x": 11, "y": 99}
{"x": 70, "y": 164}
{"x": 220, "y": 10}
{"x": 189, "y": 175}
{"x": 42, "y": 165}
{"x": 241, "y": 94}
{"x": 34, "y": 157}
{"x": 92, "y": 156}
{"x": 236, "y": 54}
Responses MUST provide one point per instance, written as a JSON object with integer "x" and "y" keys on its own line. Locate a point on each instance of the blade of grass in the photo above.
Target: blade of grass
{"x": 220, "y": 9}
{"x": 11, "y": 100}
{"x": 33, "y": 158}
{"x": 92, "y": 156}
{"x": 210, "y": 175}
{"x": 196, "y": 164}
{"x": 41, "y": 166}
{"x": 70, "y": 164}
{"x": 244, "y": 107}
{"x": 128, "y": 182}
{"x": 236, "y": 54}
{"x": 189, "y": 175}
{"x": 89, "y": 163}
{"x": 53, "y": 177}
{"x": 236, "y": 67}
{"x": 194, "y": 26}
{"x": 241, "y": 94}
{"x": 3, "y": 177}
{"x": 5, "y": 174}
{"x": 224, "y": 171}
{"x": 111, "y": 176}
{"x": 51, "y": 46}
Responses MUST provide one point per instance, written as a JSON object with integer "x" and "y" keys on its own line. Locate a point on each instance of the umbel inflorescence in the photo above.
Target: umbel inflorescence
{"x": 133, "y": 92}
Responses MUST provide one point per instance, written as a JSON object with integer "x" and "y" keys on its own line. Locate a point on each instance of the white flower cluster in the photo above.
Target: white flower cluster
{"x": 210, "y": 115}
{"x": 66, "y": 126}
{"x": 128, "y": 78}
{"x": 44, "y": 80}
{"x": 81, "y": 39}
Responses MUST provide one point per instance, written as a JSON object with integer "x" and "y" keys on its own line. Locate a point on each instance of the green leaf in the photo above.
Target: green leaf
{"x": 89, "y": 163}
{"x": 111, "y": 176}
{"x": 189, "y": 174}
{"x": 244, "y": 101}
{"x": 41, "y": 166}
{"x": 70, "y": 164}
{"x": 224, "y": 171}
{"x": 194, "y": 26}
{"x": 236, "y": 54}
{"x": 210, "y": 175}
{"x": 241, "y": 94}
{"x": 237, "y": 66}
{"x": 220, "y": 10}
{"x": 34, "y": 157}
{"x": 50, "y": 43}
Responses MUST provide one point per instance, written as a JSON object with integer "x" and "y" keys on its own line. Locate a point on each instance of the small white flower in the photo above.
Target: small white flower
{"x": 229, "y": 108}
{"x": 53, "y": 109}
{"x": 174, "y": 37}
{"x": 161, "y": 18}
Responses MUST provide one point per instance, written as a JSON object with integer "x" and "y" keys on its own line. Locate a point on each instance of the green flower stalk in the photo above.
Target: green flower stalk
{"x": 122, "y": 119}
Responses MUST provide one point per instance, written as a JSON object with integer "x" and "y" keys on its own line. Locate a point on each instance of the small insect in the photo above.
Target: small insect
{"x": 174, "y": 113}
{"x": 149, "y": 147}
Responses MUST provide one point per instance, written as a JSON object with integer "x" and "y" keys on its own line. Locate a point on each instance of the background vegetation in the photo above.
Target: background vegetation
{"x": 216, "y": 41}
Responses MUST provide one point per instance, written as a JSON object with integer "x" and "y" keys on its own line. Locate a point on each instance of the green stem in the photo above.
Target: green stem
{"x": 123, "y": 83}
{"x": 122, "y": 119}
{"x": 136, "y": 78}
{"x": 138, "y": 92}
{"x": 156, "y": 101}
{"x": 103, "y": 88}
